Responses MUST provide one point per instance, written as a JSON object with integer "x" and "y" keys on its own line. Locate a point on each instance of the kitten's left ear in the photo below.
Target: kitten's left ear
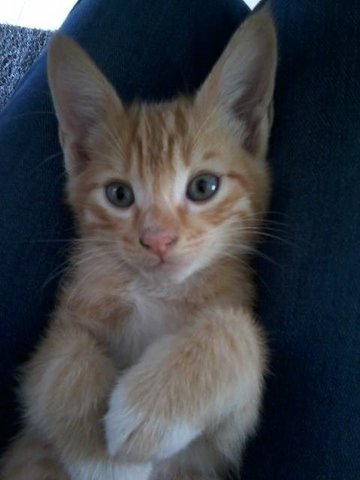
{"x": 85, "y": 102}
{"x": 241, "y": 84}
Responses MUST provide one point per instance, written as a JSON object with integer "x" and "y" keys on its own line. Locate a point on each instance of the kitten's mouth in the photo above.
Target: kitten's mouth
{"x": 171, "y": 269}
{"x": 165, "y": 263}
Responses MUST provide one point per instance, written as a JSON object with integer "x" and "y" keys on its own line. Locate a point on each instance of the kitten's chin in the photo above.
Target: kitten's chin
{"x": 175, "y": 272}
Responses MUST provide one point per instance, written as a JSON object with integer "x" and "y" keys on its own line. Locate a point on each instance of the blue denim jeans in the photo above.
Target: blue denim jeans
{"x": 308, "y": 271}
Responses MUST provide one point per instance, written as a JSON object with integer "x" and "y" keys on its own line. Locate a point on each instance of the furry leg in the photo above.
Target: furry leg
{"x": 31, "y": 458}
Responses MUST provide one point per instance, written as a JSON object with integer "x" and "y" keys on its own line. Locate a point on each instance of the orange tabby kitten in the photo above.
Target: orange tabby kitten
{"x": 152, "y": 366}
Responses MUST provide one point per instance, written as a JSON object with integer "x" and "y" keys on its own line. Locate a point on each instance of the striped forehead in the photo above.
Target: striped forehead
{"x": 159, "y": 156}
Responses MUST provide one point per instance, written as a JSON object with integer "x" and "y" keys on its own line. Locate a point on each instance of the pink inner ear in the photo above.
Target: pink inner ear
{"x": 251, "y": 141}
{"x": 242, "y": 81}
{"x": 78, "y": 111}
{"x": 80, "y": 92}
{"x": 256, "y": 93}
{"x": 79, "y": 157}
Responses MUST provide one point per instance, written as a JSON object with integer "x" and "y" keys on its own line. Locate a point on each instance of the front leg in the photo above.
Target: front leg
{"x": 66, "y": 390}
{"x": 184, "y": 385}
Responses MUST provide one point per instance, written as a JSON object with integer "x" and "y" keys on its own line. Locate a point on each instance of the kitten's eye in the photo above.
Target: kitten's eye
{"x": 202, "y": 187}
{"x": 120, "y": 194}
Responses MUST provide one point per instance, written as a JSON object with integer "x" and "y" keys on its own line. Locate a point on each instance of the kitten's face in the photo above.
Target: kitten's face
{"x": 168, "y": 194}
{"x": 167, "y": 189}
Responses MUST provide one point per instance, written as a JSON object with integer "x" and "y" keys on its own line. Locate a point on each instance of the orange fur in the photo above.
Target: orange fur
{"x": 154, "y": 369}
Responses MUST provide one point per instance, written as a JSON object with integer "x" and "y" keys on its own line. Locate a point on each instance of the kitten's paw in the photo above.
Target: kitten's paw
{"x": 135, "y": 434}
{"x": 107, "y": 470}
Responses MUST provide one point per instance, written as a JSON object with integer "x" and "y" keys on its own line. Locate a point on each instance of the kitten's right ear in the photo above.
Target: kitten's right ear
{"x": 241, "y": 84}
{"x": 83, "y": 100}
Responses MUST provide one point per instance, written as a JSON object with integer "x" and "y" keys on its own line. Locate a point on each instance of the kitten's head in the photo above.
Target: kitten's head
{"x": 169, "y": 189}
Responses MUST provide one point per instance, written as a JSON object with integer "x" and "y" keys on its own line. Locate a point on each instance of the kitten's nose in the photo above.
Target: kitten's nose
{"x": 158, "y": 241}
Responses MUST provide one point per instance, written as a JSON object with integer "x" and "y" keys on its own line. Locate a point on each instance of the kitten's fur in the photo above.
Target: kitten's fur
{"x": 154, "y": 371}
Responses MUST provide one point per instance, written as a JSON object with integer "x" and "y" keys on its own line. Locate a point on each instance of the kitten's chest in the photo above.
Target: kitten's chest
{"x": 149, "y": 319}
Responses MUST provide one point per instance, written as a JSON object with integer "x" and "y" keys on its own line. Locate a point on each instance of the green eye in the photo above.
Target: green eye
{"x": 202, "y": 187}
{"x": 120, "y": 194}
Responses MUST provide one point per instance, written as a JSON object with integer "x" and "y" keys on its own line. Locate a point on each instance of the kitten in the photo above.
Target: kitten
{"x": 152, "y": 366}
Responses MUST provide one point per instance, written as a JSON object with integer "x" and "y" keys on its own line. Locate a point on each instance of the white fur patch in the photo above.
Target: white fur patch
{"x": 179, "y": 187}
{"x": 177, "y": 437}
{"x": 108, "y": 471}
{"x": 121, "y": 420}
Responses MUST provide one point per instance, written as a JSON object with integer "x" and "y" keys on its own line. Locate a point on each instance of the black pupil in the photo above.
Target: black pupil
{"x": 120, "y": 194}
{"x": 203, "y": 185}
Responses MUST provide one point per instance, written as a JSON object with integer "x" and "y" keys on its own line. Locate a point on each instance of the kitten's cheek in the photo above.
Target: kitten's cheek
{"x": 138, "y": 436}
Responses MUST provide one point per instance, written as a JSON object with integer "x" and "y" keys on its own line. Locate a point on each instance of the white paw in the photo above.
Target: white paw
{"x": 136, "y": 434}
{"x": 107, "y": 470}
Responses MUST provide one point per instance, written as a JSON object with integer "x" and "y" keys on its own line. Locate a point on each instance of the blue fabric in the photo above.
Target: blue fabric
{"x": 309, "y": 297}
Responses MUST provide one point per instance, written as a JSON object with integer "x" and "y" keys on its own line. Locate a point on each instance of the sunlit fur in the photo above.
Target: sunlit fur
{"x": 157, "y": 364}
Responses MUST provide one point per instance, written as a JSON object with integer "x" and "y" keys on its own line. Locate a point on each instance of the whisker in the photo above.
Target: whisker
{"x": 58, "y": 272}
{"x": 64, "y": 240}
{"x": 261, "y": 233}
{"x": 257, "y": 253}
{"x": 45, "y": 161}
{"x": 26, "y": 114}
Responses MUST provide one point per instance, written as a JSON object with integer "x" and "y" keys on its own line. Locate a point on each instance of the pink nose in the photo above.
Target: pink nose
{"x": 158, "y": 241}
